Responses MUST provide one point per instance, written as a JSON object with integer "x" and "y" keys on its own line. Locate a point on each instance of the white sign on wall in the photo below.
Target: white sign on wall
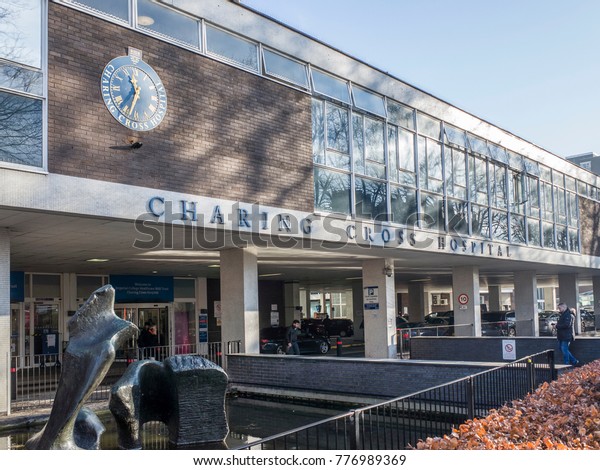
{"x": 371, "y": 298}
{"x": 509, "y": 350}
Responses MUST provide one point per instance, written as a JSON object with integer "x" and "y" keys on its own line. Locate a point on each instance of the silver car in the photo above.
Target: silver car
{"x": 547, "y": 321}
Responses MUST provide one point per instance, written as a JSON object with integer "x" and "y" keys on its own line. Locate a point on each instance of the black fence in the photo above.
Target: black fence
{"x": 34, "y": 380}
{"x": 400, "y": 423}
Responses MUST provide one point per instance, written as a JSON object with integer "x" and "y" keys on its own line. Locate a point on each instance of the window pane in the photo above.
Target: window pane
{"x": 533, "y": 200}
{"x": 573, "y": 241}
{"x": 400, "y": 114}
{"x": 404, "y": 205}
{"x": 499, "y": 189}
{"x": 517, "y": 229}
{"x": 337, "y": 160}
{"x": 478, "y": 145}
{"x": 545, "y": 173}
{"x": 455, "y": 136}
{"x": 337, "y": 128}
{"x": 573, "y": 208}
{"x": 231, "y": 48}
{"x": 560, "y": 205}
{"x": 533, "y": 232}
{"x": 318, "y": 132}
{"x": 498, "y": 153}
{"x": 561, "y": 237}
{"x": 118, "y": 9}
{"x": 21, "y": 79}
{"x": 86, "y": 285}
{"x": 499, "y": 225}
{"x": 330, "y": 86}
{"x": 516, "y": 161}
{"x": 480, "y": 221}
{"x": 548, "y": 230}
{"x": 21, "y": 32}
{"x": 406, "y": 150}
{"x": 167, "y": 22}
{"x": 374, "y": 148}
{"x": 371, "y": 199}
{"x": 428, "y": 126}
{"x": 533, "y": 168}
{"x": 287, "y": 69}
{"x": 368, "y": 101}
{"x": 458, "y": 221}
{"x": 20, "y": 130}
{"x": 432, "y": 208}
{"x": 393, "y": 152}
{"x": 478, "y": 180}
{"x": 358, "y": 143}
{"x": 332, "y": 191}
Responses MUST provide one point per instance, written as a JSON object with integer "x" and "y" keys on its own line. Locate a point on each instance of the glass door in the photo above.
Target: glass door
{"x": 43, "y": 328}
{"x": 16, "y": 333}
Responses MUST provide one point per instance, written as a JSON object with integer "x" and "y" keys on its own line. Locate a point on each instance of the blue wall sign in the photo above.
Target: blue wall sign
{"x": 142, "y": 288}
{"x": 17, "y": 286}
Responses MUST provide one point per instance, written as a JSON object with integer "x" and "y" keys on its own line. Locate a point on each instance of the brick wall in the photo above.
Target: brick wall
{"x": 227, "y": 133}
{"x": 585, "y": 349}
{"x": 339, "y": 376}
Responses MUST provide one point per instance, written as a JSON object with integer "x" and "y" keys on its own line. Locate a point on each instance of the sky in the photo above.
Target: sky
{"x": 531, "y": 67}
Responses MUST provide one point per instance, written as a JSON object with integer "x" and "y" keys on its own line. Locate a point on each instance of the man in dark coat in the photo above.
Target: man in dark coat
{"x": 292, "y": 338}
{"x": 564, "y": 333}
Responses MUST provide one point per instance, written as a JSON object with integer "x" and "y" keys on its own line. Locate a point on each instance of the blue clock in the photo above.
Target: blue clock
{"x": 133, "y": 93}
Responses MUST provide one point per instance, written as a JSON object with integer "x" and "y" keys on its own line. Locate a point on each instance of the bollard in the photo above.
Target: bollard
{"x": 339, "y": 346}
{"x": 13, "y": 383}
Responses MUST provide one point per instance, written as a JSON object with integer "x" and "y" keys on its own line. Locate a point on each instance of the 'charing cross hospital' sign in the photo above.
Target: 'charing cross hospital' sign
{"x": 332, "y": 228}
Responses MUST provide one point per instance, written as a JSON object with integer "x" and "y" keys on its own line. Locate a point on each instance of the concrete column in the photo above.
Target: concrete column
{"x": 417, "y": 301}
{"x": 239, "y": 298}
{"x": 526, "y": 303}
{"x": 465, "y": 296}
{"x": 201, "y": 294}
{"x": 4, "y": 322}
{"x": 69, "y": 302}
{"x": 292, "y": 300}
{"x": 495, "y": 298}
{"x": 568, "y": 292}
{"x": 359, "y": 313}
{"x": 379, "y": 322}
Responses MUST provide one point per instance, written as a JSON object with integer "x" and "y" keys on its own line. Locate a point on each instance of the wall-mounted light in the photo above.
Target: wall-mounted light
{"x": 145, "y": 20}
{"x": 388, "y": 271}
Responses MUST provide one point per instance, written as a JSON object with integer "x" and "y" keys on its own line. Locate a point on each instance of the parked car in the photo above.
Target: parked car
{"x": 314, "y": 326}
{"x": 588, "y": 320}
{"x": 339, "y": 326}
{"x": 273, "y": 341}
{"x": 547, "y": 322}
{"x": 500, "y": 323}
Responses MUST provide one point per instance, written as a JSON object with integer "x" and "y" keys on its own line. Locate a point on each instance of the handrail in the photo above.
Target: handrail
{"x": 354, "y": 415}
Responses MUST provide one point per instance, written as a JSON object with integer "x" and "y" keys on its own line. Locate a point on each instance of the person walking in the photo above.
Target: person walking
{"x": 565, "y": 334}
{"x": 292, "y": 338}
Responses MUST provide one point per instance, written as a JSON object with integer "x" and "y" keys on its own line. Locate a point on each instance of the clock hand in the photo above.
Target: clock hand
{"x": 135, "y": 98}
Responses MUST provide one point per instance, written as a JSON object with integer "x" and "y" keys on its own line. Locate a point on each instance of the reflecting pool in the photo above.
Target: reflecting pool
{"x": 249, "y": 420}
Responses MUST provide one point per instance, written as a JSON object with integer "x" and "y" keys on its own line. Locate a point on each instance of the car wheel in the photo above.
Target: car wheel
{"x": 280, "y": 350}
{"x": 323, "y": 348}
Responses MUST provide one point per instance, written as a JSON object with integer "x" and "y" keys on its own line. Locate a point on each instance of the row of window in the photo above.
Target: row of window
{"x": 372, "y": 168}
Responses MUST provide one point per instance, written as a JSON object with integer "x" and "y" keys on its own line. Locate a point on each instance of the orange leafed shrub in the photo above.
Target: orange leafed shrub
{"x": 564, "y": 414}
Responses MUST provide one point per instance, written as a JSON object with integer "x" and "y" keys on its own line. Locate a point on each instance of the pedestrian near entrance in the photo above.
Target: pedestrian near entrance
{"x": 564, "y": 334}
{"x": 292, "y": 338}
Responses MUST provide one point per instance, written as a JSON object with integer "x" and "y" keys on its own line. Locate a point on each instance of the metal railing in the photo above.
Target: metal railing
{"x": 34, "y": 379}
{"x": 401, "y": 422}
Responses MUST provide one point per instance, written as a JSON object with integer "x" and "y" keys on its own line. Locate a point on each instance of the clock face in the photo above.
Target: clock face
{"x": 133, "y": 93}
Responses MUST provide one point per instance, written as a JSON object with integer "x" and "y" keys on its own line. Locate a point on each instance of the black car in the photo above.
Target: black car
{"x": 339, "y": 326}
{"x": 501, "y": 323}
{"x": 314, "y": 326}
{"x": 273, "y": 341}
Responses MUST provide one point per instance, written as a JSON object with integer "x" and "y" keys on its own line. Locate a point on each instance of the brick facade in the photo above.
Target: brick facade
{"x": 227, "y": 133}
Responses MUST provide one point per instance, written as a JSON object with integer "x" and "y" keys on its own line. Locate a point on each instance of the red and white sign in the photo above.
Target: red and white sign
{"x": 463, "y": 299}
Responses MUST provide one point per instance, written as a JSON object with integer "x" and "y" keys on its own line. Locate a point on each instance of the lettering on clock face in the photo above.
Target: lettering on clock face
{"x": 133, "y": 93}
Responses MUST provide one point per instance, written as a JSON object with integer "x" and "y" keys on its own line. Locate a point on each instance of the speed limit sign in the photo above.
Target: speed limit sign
{"x": 463, "y": 299}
